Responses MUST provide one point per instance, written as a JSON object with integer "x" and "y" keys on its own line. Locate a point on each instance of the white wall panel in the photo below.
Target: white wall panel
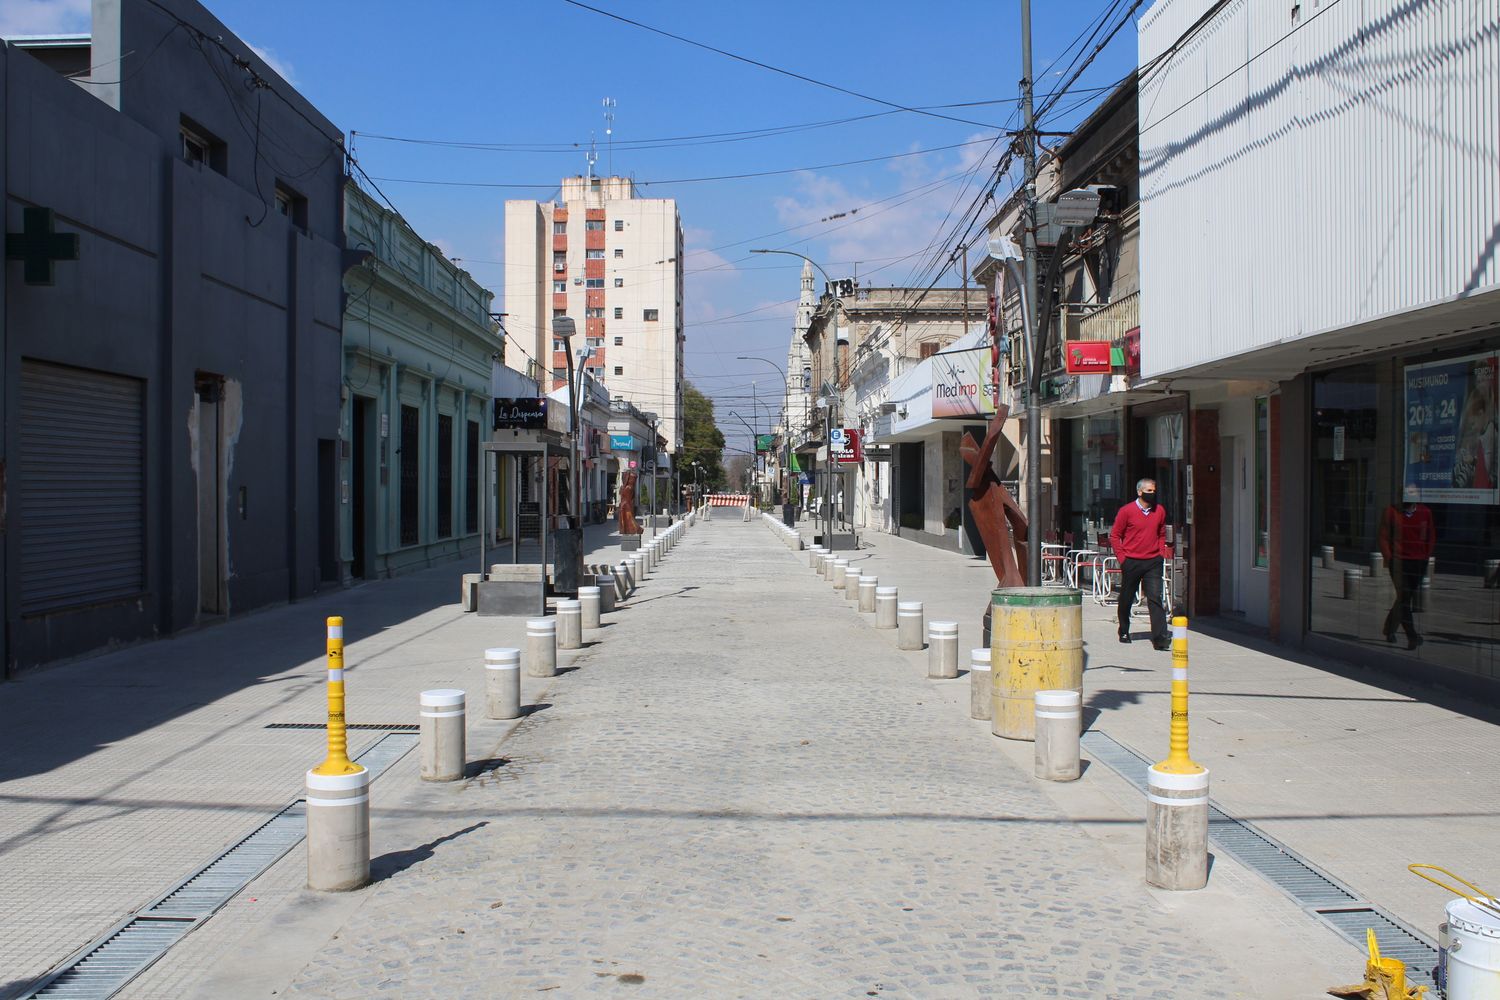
{"x": 1305, "y": 175}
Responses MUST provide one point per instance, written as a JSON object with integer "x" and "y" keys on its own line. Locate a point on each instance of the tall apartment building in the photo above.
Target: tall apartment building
{"x": 613, "y": 262}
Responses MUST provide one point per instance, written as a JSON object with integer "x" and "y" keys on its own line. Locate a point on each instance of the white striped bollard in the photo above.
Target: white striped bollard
{"x": 909, "y": 625}
{"x": 885, "y": 607}
{"x": 942, "y": 650}
{"x": 569, "y": 625}
{"x": 607, "y": 594}
{"x": 980, "y": 691}
{"x": 840, "y": 571}
{"x": 502, "y": 683}
{"x": 589, "y": 602}
{"x": 541, "y": 647}
{"x": 866, "y": 591}
{"x": 1059, "y": 724}
{"x": 443, "y": 715}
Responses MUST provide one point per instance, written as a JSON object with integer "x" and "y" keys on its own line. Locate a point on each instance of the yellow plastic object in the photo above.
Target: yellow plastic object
{"x": 1178, "y": 761}
{"x": 1385, "y": 978}
{"x": 1480, "y": 898}
{"x": 337, "y": 761}
{"x": 1036, "y": 644}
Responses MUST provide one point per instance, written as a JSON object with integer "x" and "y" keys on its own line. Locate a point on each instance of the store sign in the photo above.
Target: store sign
{"x": 963, "y": 384}
{"x": 845, "y": 445}
{"x": 1451, "y": 434}
{"x": 622, "y": 442}
{"x": 765, "y": 442}
{"x": 1086, "y": 357}
{"x": 805, "y": 478}
{"x": 1133, "y": 351}
{"x": 523, "y": 413}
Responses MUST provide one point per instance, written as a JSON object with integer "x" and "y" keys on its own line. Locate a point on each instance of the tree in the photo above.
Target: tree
{"x": 702, "y": 441}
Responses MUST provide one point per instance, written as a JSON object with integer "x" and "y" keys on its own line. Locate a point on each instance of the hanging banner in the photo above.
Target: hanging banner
{"x": 963, "y": 384}
{"x": 1451, "y": 432}
{"x": 845, "y": 445}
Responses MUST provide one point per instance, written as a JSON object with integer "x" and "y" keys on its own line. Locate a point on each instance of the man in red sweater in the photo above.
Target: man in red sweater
{"x": 1407, "y": 538}
{"x": 1139, "y": 538}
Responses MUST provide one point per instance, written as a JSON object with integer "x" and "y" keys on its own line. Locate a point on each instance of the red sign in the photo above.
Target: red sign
{"x": 846, "y": 445}
{"x": 1086, "y": 357}
{"x": 1133, "y": 351}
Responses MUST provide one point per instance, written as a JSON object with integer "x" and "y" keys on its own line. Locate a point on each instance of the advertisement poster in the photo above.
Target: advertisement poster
{"x": 1451, "y": 433}
{"x": 963, "y": 384}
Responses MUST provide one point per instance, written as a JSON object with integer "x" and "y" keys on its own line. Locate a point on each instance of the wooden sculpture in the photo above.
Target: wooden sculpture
{"x": 996, "y": 514}
{"x": 628, "y": 525}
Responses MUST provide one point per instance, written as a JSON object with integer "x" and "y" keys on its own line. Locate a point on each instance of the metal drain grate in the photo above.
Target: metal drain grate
{"x": 1322, "y": 895}
{"x": 384, "y": 727}
{"x": 99, "y": 970}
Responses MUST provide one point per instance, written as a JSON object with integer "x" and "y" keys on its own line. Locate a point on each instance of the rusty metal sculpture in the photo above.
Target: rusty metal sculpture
{"x": 626, "y": 511}
{"x": 997, "y": 516}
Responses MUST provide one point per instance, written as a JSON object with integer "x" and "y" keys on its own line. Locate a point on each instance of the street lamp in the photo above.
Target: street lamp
{"x": 652, "y": 419}
{"x": 569, "y": 560}
{"x": 786, "y": 437}
{"x": 754, "y": 443}
{"x": 828, "y": 409}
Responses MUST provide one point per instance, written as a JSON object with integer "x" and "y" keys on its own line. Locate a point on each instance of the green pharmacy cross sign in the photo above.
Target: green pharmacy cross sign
{"x": 38, "y": 246}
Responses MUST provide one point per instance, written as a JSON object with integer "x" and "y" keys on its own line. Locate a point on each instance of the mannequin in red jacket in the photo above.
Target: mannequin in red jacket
{"x": 1407, "y": 538}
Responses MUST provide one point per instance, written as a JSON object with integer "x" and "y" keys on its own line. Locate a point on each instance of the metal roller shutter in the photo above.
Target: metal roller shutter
{"x": 82, "y": 487}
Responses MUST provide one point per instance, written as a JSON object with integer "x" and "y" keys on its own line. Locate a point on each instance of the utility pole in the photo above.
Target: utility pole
{"x": 1028, "y": 303}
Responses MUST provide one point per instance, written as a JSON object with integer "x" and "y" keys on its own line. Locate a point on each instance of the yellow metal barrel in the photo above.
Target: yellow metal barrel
{"x": 1036, "y": 645}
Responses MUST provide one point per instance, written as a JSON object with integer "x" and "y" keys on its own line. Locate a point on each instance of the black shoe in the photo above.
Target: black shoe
{"x": 1413, "y": 641}
{"x": 1162, "y": 644}
{"x": 1124, "y": 638}
{"x": 1390, "y": 637}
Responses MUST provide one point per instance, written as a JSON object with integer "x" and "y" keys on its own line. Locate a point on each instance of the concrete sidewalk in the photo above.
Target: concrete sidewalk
{"x": 1356, "y": 771}
{"x": 125, "y": 772}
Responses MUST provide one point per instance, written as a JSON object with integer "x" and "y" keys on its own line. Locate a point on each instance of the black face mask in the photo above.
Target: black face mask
{"x": 1149, "y": 499}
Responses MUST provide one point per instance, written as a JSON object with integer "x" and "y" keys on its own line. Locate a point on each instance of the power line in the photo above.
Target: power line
{"x": 773, "y": 69}
{"x": 698, "y": 180}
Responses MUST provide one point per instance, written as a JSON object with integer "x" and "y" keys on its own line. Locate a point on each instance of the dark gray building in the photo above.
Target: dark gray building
{"x": 170, "y": 396}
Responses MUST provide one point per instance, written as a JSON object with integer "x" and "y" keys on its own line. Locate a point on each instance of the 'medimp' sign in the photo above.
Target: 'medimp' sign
{"x": 963, "y": 384}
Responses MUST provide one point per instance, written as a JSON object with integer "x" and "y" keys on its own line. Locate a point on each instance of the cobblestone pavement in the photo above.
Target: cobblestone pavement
{"x": 745, "y": 790}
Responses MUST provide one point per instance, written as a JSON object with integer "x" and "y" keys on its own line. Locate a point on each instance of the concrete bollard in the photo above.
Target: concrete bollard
{"x": 795, "y": 542}
{"x": 1059, "y": 724}
{"x": 1327, "y": 553}
{"x": 942, "y": 650}
{"x": 866, "y": 590}
{"x": 607, "y": 592}
{"x": 1422, "y": 599}
{"x": 443, "y": 719}
{"x": 1351, "y": 583}
{"x": 851, "y": 584}
{"x": 541, "y": 647}
{"x": 981, "y": 694}
{"x": 909, "y": 625}
{"x": 1491, "y": 573}
{"x": 840, "y": 571}
{"x": 338, "y": 830}
{"x": 1176, "y": 829}
{"x": 589, "y": 600}
{"x": 640, "y": 568}
{"x": 569, "y": 625}
{"x": 825, "y": 566}
{"x": 1177, "y": 793}
{"x": 885, "y": 607}
{"x": 502, "y": 683}
{"x": 813, "y": 555}
{"x": 1377, "y": 563}
{"x": 469, "y": 591}
{"x": 624, "y": 580}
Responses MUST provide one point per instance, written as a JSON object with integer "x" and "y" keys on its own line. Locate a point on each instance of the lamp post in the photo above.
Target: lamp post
{"x": 828, "y": 408}
{"x": 652, "y": 419}
{"x": 569, "y": 564}
{"x": 754, "y": 449}
{"x": 786, "y": 449}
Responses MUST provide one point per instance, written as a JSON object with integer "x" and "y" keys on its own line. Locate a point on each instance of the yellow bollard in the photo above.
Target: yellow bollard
{"x": 338, "y": 761}
{"x": 1178, "y": 761}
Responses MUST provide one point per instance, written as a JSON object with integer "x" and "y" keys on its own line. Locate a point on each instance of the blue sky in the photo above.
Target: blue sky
{"x": 532, "y": 73}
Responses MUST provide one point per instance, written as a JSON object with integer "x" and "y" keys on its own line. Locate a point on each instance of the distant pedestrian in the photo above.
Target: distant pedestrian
{"x": 1407, "y": 538}
{"x": 1139, "y": 538}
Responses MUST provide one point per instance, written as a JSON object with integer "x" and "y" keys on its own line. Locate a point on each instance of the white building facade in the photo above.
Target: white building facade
{"x": 1319, "y": 275}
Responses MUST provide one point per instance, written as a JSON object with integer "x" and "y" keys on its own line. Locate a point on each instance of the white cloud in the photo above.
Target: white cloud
{"x": 283, "y": 68}
{"x": 44, "y": 17}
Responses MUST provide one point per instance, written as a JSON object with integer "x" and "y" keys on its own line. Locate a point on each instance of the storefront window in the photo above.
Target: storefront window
{"x": 1096, "y": 491}
{"x": 1405, "y": 517}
